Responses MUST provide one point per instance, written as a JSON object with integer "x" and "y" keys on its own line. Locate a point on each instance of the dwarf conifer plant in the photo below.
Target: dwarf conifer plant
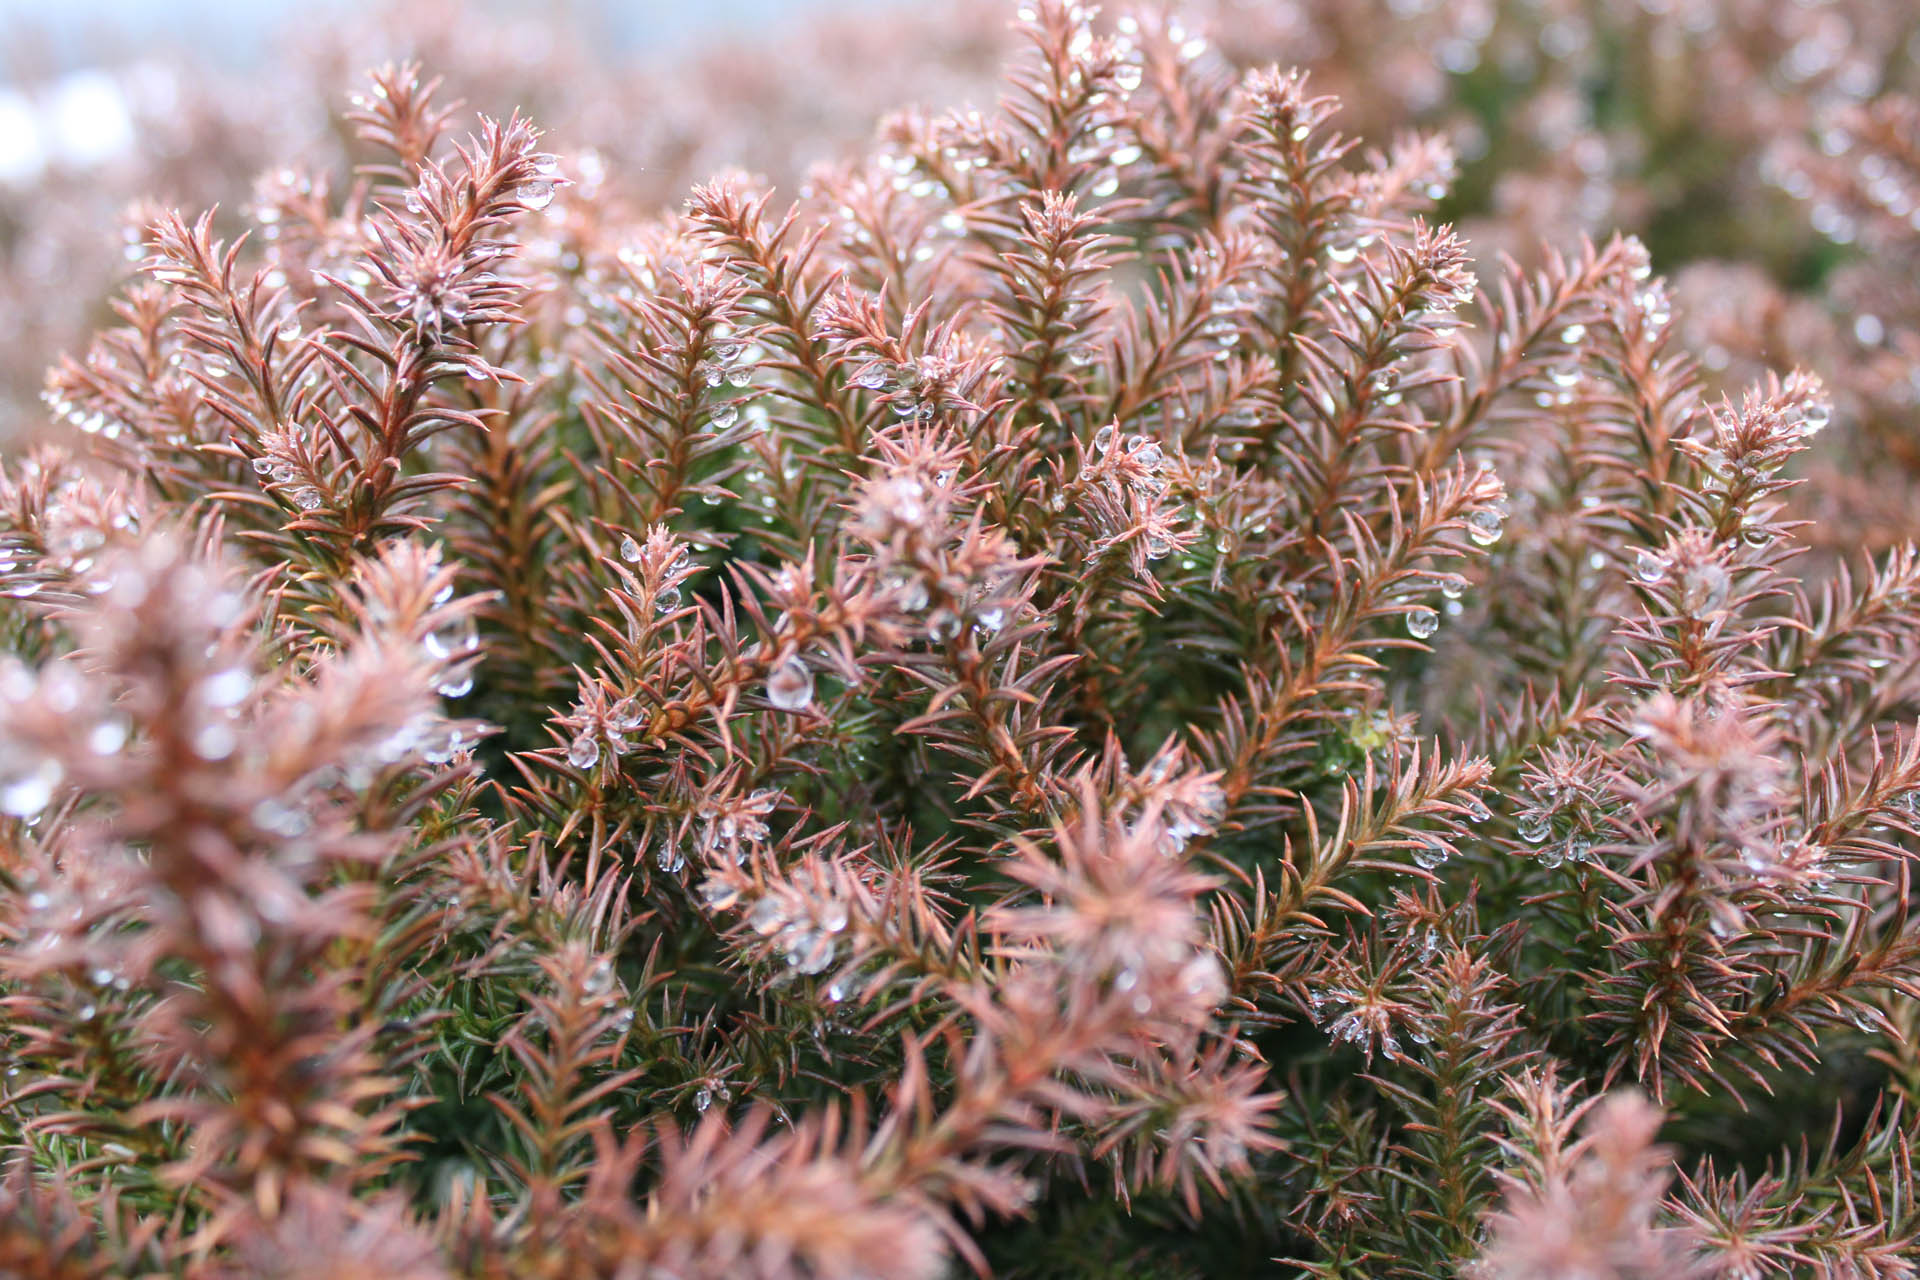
{"x": 1087, "y": 695}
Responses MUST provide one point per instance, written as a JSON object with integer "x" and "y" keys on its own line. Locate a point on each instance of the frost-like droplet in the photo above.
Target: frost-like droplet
{"x": 790, "y": 685}
{"x": 1422, "y": 623}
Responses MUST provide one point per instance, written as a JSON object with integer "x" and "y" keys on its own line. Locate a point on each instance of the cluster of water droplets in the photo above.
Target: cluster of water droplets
{"x": 1485, "y": 525}
{"x": 542, "y": 182}
{"x": 1136, "y": 465}
{"x": 1557, "y": 829}
{"x": 805, "y": 930}
{"x": 1229, "y": 315}
{"x": 280, "y": 470}
{"x": 1352, "y": 1017}
{"x": 731, "y": 363}
{"x": 87, "y": 420}
{"x": 664, "y": 577}
{"x": 611, "y": 727}
{"x": 729, "y": 830}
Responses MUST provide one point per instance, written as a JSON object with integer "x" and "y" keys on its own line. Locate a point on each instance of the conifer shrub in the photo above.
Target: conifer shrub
{"x": 1093, "y": 696}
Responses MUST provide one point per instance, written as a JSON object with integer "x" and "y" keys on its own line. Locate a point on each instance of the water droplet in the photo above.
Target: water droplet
{"x": 27, "y": 785}
{"x": 585, "y": 752}
{"x": 1430, "y": 853}
{"x": 1422, "y": 623}
{"x": 702, "y": 1099}
{"x": 669, "y": 858}
{"x": 1535, "y": 827}
{"x": 767, "y": 917}
{"x": 599, "y": 979}
{"x": 724, "y": 415}
{"x": 1342, "y": 253}
{"x": 454, "y": 640}
{"x": 537, "y": 194}
{"x": 790, "y": 685}
{"x": 630, "y": 550}
{"x": 108, "y": 737}
{"x": 1573, "y": 333}
{"x": 215, "y": 741}
{"x": 227, "y": 688}
{"x": 1649, "y": 566}
{"x": 1485, "y": 526}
